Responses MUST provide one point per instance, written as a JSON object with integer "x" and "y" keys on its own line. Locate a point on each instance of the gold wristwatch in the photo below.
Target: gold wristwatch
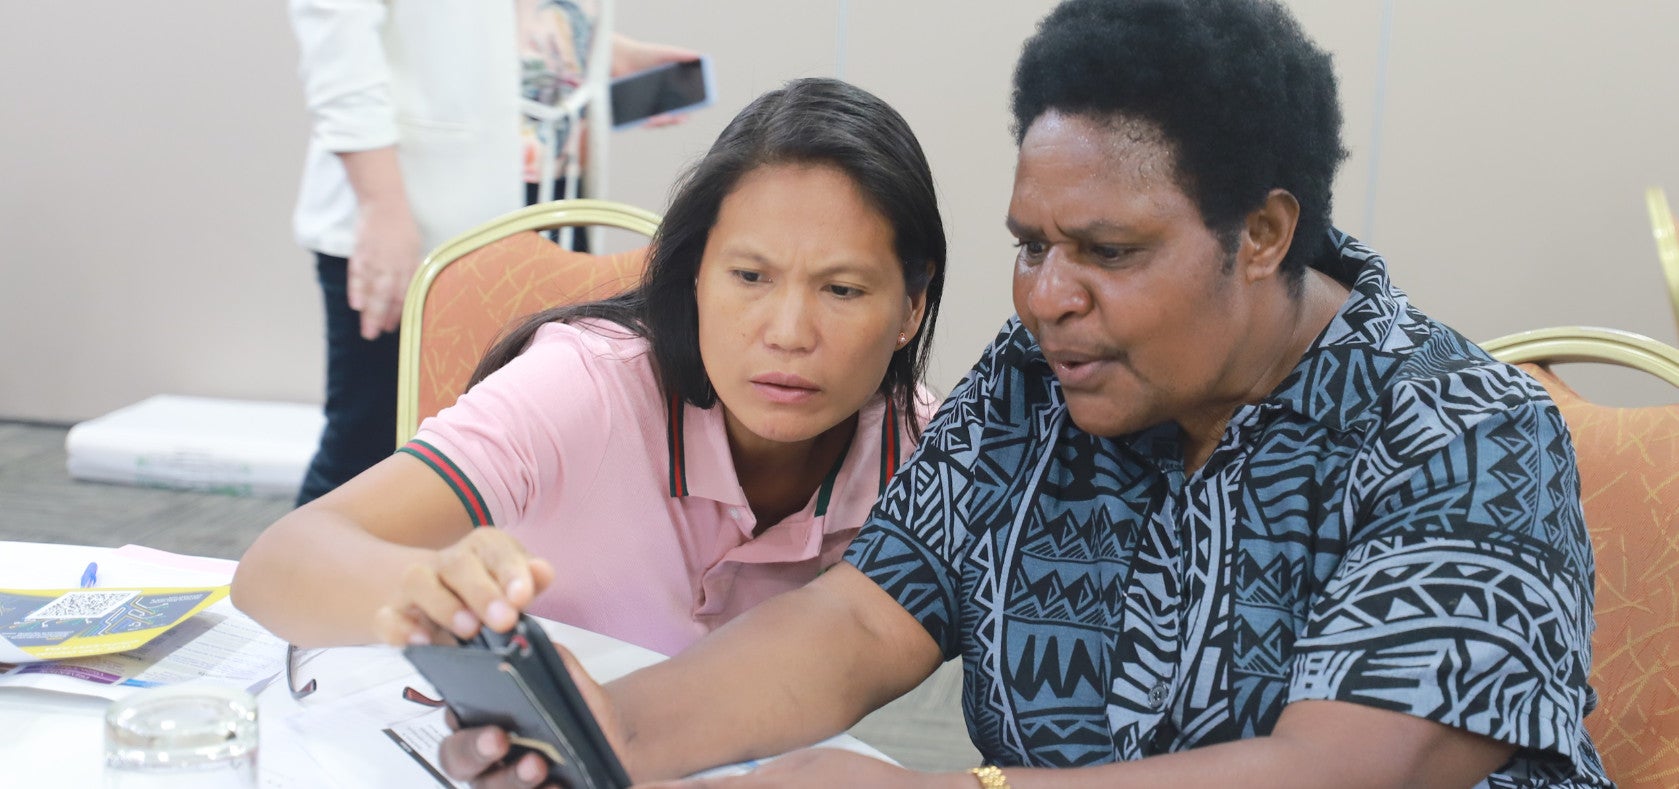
{"x": 990, "y": 777}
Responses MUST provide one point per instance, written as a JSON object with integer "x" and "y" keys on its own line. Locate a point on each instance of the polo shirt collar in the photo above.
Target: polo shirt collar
{"x": 1341, "y": 377}
{"x": 700, "y": 463}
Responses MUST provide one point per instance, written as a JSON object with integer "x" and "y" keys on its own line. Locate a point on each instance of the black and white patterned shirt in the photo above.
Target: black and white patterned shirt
{"x": 1397, "y": 525}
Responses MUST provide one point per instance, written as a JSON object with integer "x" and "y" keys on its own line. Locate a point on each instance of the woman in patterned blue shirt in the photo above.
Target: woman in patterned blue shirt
{"x": 1219, "y": 507}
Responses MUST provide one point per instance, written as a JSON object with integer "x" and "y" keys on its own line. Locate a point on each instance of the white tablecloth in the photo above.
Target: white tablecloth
{"x": 56, "y": 739}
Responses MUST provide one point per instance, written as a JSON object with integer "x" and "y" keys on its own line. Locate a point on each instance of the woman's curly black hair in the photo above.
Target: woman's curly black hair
{"x": 1245, "y": 101}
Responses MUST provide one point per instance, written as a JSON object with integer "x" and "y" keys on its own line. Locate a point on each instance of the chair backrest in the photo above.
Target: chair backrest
{"x": 479, "y": 284}
{"x": 1667, "y": 241}
{"x": 1629, "y": 487}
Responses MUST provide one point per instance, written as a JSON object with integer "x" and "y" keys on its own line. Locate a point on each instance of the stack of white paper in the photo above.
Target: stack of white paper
{"x": 239, "y": 447}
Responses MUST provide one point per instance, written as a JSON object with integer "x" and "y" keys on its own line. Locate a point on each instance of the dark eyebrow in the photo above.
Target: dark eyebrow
{"x": 838, "y": 268}
{"x": 1099, "y": 228}
{"x": 737, "y": 251}
{"x": 1086, "y": 233}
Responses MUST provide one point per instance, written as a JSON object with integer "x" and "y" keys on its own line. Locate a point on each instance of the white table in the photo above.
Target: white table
{"x": 55, "y": 739}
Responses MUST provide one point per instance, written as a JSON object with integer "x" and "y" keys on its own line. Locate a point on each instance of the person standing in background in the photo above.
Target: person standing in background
{"x": 413, "y": 143}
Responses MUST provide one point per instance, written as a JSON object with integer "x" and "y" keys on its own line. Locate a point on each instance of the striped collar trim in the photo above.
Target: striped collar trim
{"x": 673, "y": 442}
{"x": 891, "y": 440}
{"x": 890, "y": 437}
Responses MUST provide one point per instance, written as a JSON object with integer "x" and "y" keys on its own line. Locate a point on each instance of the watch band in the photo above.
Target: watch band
{"x": 990, "y": 777}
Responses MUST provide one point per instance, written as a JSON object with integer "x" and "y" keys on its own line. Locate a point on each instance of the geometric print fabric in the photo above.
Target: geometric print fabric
{"x": 1397, "y": 525}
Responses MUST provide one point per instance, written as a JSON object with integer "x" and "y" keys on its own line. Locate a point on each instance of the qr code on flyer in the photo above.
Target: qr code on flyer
{"x": 83, "y": 605}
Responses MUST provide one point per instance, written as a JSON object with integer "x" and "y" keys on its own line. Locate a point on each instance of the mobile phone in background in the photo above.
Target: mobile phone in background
{"x": 671, "y": 87}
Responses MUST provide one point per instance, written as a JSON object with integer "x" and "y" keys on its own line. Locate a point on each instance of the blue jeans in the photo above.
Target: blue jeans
{"x": 360, "y": 390}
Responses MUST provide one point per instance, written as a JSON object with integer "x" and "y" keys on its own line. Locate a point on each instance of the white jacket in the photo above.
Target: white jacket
{"x": 439, "y": 79}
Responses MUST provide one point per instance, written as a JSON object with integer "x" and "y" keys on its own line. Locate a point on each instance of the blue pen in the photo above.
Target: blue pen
{"x": 90, "y": 576}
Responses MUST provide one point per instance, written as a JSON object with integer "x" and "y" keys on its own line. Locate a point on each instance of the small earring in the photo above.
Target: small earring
{"x": 903, "y": 339}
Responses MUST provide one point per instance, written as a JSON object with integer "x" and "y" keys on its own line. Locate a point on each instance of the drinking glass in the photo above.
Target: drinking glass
{"x": 182, "y": 737}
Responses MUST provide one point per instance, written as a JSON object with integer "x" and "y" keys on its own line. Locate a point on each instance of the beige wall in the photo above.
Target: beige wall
{"x": 1499, "y": 161}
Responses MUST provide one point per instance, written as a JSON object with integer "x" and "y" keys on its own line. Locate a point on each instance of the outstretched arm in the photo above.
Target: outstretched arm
{"x": 793, "y": 671}
{"x": 802, "y": 667}
{"x": 1316, "y": 744}
{"x": 390, "y": 555}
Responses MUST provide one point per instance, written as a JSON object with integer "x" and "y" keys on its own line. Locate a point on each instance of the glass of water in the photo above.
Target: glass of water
{"x": 183, "y": 737}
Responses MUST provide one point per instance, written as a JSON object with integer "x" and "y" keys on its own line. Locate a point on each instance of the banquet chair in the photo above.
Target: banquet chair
{"x": 480, "y": 284}
{"x": 1629, "y": 488}
{"x": 1667, "y": 241}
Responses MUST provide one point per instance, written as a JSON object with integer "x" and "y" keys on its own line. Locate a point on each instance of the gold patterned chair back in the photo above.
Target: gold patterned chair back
{"x": 1629, "y": 487}
{"x": 480, "y": 284}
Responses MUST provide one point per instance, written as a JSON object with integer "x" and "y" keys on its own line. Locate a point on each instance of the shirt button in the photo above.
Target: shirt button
{"x": 1157, "y": 696}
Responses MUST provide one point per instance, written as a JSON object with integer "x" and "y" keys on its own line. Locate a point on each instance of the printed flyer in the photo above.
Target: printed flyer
{"x": 55, "y": 624}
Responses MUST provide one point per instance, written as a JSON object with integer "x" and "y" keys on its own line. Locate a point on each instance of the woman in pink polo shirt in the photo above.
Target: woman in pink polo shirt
{"x": 659, "y": 462}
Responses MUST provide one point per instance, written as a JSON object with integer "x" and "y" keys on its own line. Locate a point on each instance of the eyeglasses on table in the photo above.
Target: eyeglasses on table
{"x": 299, "y": 691}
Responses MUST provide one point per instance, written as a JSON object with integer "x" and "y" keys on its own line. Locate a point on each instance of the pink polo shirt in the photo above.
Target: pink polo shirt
{"x": 573, "y": 449}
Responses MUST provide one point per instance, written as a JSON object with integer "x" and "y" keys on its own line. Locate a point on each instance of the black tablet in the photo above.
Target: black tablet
{"x": 517, "y": 681}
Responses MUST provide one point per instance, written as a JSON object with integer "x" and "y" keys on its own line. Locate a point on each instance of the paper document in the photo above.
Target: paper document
{"x": 53, "y": 624}
{"x": 219, "y": 646}
{"x": 346, "y": 724}
{"x": 421, "y": 738}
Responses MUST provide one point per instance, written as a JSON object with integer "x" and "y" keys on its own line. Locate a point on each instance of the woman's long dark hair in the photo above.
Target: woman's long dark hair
{"x": 809, "y": 121}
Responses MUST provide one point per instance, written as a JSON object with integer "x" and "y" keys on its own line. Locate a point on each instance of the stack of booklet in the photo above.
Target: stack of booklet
{"x": 238, "y": 447}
